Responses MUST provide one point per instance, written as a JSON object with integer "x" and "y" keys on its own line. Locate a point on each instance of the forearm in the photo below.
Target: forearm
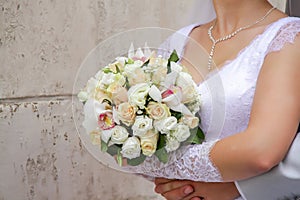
{"x": 237, "y": 159}
{"x": 281, "y": 181}
{"x": 194, "y": 164}
{"x": 249, "y": 153}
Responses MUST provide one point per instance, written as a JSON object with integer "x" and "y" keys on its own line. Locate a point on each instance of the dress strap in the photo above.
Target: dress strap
{"x": 278, "y": 34}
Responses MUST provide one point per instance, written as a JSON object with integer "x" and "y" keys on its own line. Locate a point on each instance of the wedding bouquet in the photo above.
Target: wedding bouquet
{"x": 141, "y": 106}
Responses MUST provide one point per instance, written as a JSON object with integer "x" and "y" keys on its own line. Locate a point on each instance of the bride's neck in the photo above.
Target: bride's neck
{"x": 233, "y": 14}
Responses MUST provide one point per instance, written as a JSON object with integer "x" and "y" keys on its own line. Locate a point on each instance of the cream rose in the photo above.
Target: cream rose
{"x": 95, "y": 137}
{"x": 159, "y": 74}
{"x": 149, "y": 142}
{"x": 141, "y": 125}
{"x": 119, "y": 95}
{"x": 172, "y": 144}
{"x": 137, "y": 94}
{"x": 126, "y": 113}
{"x": 119, "y": 135}
{"x": 190, "y": 121}
{"x": 181, "y": 133}
{"x": 100, "y": 95}
{"x": 158, "y": 111}
{"x": 138, "y": 76}
{"x": 131, "y": 148}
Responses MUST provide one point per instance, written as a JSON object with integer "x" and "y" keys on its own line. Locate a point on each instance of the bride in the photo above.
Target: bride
{"x": 254, "y": 82}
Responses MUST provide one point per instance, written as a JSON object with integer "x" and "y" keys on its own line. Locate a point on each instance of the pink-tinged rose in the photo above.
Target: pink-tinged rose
{"x": 105, "y": 121}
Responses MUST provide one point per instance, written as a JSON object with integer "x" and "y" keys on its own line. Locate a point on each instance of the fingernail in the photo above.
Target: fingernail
{"x": 188, "y": 190}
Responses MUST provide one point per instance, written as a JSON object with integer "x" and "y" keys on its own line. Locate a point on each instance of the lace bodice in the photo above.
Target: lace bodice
{"x": 227, "y": 96}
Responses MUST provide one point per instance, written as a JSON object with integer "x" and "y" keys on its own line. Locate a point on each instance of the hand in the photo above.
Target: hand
{"x": 190, "y": 190}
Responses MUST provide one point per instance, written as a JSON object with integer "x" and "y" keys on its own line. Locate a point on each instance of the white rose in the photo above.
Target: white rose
{"x": 167, "y": 124}
{"x": 131, "y": 148}
{"x": 158, "y": 61}
{"x": 83, "y": 96}
{"x": 181, "y": 133}
{"x": 105, "y": 136}
{"x": 119, "y": 135}
{"x": 107, "y": 79}
{"x": 172, "y": 144}
{"x": 137, "y": 94}
{"x": 141, "y": 125}
{"x": 130, "y": 68}
{"x": 122, "y": 60}
{"x": 149, "y": 142}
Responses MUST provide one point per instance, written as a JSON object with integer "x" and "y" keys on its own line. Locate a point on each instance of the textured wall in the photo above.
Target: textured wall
{"x": 42, "y": 44}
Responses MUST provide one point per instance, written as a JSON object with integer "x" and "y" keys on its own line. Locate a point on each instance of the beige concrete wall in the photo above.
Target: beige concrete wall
{"x": 42, "y": 44}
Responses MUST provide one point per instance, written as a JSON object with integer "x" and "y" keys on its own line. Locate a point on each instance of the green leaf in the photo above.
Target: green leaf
{"x": 129, "y": 61}
{"x": 197, "y": 136}
{"x": 119, "y": 158}
{"x": 200, "y": 134}
{"x": 117, "y": 69}
{"x": 161, "y": 143}
{"x": 176, "y": 114}
{"x": 136, "y": 161}
{"x": 104, "y": 146}
{"x": 146, "y": 63}
{"x": 173, "y": 58}
{"x": 113, "y": 150}
{"x": 162, "y": 155}
{"x": 127, "y": 85}
{"x": 106, "y": 70}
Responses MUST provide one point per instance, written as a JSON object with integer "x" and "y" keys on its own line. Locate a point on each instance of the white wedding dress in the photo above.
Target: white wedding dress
{"x": 227, "y": 96}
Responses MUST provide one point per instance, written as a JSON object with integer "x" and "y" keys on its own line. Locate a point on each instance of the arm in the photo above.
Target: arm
{"x": 281, "y": 182}
{"x": 273, "y": 123}
{"x": 253, "y": 151}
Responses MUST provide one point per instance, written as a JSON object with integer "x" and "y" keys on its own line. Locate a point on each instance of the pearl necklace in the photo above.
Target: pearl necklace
{"x": 229, "y": 36}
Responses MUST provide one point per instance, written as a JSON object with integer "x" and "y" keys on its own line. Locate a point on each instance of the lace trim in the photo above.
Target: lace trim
{"x": 286, "y": 34}
{"x": 195, "y": 164}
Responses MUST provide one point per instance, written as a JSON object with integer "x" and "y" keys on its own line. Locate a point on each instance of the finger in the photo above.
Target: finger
{"x": 158, "y": 181}
{"x": 179, "y": 193}
{"x": 195, "y": 198}
{"x": 168, "y": 186}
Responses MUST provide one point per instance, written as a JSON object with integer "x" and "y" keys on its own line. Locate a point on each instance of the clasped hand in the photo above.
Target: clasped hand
{"x": 190, "y": 190}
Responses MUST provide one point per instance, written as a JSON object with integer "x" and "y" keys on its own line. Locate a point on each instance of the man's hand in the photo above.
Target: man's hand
{"x": 190, "y": 190}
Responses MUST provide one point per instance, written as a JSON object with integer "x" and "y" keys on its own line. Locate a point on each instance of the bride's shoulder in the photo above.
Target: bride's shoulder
{"x": 194, "y": 28}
